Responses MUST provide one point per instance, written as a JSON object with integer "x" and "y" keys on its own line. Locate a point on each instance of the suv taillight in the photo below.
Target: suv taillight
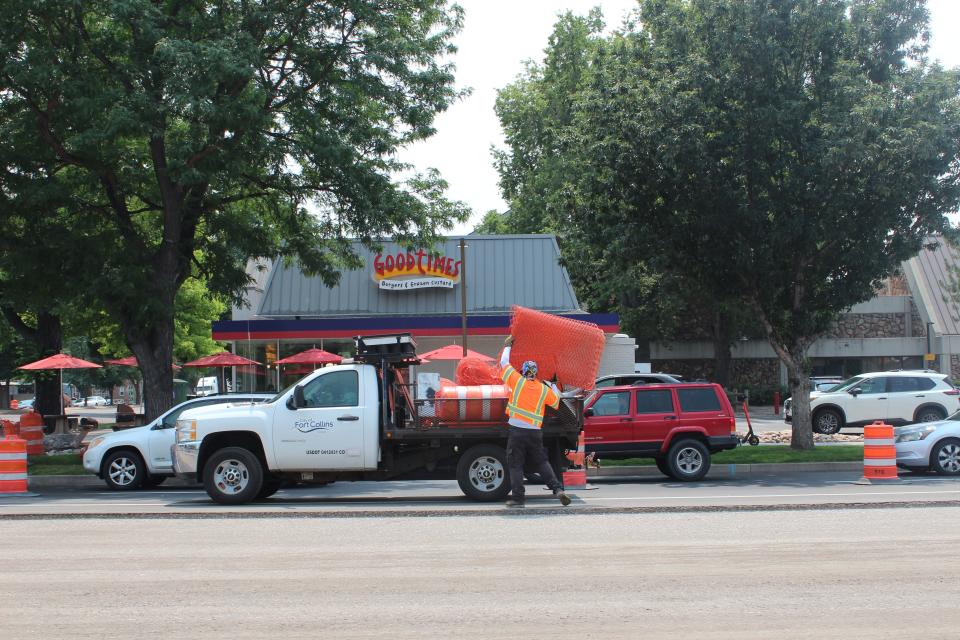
{"x": 733, "y": 425}
{"x": 952, "y": 392}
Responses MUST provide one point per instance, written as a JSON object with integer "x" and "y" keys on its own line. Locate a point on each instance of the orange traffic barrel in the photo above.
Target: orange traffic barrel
{"x": 480, "y": 403}
{"x": 879, "y": 452}
{"x": 31, "y": 430}
{"x": 13, "y": 465}
{"x": 576, "y": 476}
{"x": 14, "y": 404}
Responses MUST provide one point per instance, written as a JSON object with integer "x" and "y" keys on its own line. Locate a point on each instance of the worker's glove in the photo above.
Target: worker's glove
{"x": 508, "y": 342}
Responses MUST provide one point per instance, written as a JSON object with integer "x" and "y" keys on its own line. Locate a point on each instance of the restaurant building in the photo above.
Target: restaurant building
{"x": 420, "y": 291}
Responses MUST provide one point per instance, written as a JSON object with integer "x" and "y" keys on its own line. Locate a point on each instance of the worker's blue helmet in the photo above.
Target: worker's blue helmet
{"x": 528, "y": 369}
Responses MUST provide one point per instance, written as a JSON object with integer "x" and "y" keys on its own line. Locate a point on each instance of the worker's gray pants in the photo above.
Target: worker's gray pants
{"x": 526, "y": 446}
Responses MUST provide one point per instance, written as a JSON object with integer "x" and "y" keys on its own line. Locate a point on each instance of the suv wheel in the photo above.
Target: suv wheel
{"x": 827, "y": 421}
{"x": 930, "y": 414}
{"x": 945, "y": 458}
{"x": 688, "y": 460}
{"x": 664, "y": 467}
{"x": 123, "y": 470}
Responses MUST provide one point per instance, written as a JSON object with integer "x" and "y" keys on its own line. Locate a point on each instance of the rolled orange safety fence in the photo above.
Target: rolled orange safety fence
{"x": 13, "y": 465}
{"x": 879, "y": 452}
{"x": 31, "y": 430}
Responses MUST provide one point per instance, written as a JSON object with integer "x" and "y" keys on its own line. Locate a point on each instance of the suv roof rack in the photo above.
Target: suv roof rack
{"x": 912, "y": 371}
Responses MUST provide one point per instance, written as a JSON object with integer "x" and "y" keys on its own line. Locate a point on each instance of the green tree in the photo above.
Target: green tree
{"x": 194, "y": 135}
{"x": 538, "y": 177}
{"x": 793, "y": 153}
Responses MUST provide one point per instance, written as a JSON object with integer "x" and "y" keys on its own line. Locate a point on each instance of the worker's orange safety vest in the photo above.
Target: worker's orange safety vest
{"x": 527, "y": 397}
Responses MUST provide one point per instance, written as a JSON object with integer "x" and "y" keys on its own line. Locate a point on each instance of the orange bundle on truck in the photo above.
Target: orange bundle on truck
{"x": 361, "y": 421}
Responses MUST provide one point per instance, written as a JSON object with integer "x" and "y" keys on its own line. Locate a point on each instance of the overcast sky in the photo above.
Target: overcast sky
{"x": 498, "y": 36}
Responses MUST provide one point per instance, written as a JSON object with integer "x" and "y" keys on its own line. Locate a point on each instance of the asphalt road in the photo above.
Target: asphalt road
{"x": 874, "y": 573}
{"x": 441, "y": 497}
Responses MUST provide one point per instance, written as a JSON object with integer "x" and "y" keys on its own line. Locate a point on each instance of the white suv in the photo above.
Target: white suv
{"x": 896, "y": 397}
{"x": 140, "y": 457}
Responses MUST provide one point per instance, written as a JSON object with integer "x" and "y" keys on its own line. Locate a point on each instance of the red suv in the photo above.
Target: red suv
{"x": 678, "y": 425}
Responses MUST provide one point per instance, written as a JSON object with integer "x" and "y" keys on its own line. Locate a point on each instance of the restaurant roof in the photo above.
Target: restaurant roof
{"x": 501, "y": 271}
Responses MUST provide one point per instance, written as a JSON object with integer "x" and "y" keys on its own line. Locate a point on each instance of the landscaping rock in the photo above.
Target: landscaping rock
{"x": 62, "y": 442}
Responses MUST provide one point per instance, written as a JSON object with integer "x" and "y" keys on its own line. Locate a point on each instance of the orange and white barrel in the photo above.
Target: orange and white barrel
{"x": 576, "y": 477}
{"x": 31, "y": 430}
{"x": 13, "y": 465}
{"x": 481, "y": 403}
{"x": 879, "y": 452}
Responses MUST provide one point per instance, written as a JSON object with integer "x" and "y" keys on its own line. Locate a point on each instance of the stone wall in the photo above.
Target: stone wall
{"x": 869, "y": 325}
{"x": 750, "y": 372}
{"x": 955, "y": 366}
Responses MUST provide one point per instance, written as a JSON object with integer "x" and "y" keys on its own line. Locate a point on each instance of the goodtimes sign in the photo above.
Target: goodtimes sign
{"x": 415, "y": 270}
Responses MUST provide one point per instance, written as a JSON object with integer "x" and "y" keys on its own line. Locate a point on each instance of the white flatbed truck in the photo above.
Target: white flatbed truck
{"x": 355, "y": 421}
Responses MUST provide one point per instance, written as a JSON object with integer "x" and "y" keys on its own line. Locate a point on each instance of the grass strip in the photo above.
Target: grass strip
{"x": 766, "y": 454}
{"x": 68, "y": 464}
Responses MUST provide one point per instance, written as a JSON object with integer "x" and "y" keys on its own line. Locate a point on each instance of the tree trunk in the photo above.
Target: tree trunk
{"x": 49, "y": 341}
{"x": 721, "y": 350}
{"x": 154, "y": 351}
{"x": 801, "y": 436}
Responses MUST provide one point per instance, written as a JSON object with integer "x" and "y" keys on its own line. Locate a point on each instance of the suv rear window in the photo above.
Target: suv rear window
{"x": 700, "y": 399}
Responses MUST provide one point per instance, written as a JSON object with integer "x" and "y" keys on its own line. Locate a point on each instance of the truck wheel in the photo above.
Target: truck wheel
{"x": 124, "y": 470}
{"x": 482, "y": 473}
{"x": 688, "y": 460}
{"x": 233, "y": 475}
{"x": 664, "y": 467}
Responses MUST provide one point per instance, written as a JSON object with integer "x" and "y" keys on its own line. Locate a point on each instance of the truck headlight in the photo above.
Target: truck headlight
{"x": 186, "y": 430}
{"x": 912, "y": 435}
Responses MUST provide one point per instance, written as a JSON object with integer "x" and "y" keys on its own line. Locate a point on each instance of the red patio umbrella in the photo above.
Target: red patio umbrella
{"x": 223, "y": 360}
{"x": 59, "y": 362}
{"x": 451, "y": 352}
{"x": 130, "y": 361}
{"x": 312, "y": 356}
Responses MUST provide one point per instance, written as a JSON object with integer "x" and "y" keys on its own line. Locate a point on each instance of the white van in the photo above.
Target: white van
{"x": 208, "y": 386}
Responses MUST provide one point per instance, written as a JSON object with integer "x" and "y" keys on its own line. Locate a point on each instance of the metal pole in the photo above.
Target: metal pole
{"x": 463, "y": 292}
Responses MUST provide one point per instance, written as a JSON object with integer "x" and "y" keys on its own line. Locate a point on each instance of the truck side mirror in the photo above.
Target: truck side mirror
{"x": 855, "y": 391}
{"x": 296, "y": 400}
{"x": 588, "y": 413}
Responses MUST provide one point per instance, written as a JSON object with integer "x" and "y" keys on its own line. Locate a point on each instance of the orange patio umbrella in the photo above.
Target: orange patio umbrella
{"x": 59, "y": 362}
{"x": 451, "y": 352}
{"x": 222, "y": 360}
{"x": 130, "y": 361}
{"x": 312, "y": 356}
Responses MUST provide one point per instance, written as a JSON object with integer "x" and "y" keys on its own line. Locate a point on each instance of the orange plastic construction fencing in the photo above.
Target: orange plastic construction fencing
{"x": 10, "y": 428}
{"x": 31, "y": 430}
{"x": 13, "y": 465}
{"x": 569, "y": 349}
{"x": 473, "y": 371}
{"x": 879, "y": 452}
{"x": 481, "y": 403}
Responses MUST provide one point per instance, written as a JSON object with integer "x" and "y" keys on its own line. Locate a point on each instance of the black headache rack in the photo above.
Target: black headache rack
{"x": 397, "y": 349}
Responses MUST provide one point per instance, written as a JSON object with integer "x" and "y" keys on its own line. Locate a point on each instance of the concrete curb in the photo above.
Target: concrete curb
{"x": 730, "y": 470}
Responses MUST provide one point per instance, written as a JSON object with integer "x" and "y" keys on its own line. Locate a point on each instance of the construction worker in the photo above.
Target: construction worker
{"x": 525, "y": 407}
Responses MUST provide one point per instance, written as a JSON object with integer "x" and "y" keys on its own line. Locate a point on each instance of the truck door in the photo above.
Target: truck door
{"x": 328, "y": 432}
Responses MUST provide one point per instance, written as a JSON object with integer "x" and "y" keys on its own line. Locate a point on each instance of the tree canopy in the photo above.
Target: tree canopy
{"x": 184, "y": 137}
{"x": 785, "y": 155}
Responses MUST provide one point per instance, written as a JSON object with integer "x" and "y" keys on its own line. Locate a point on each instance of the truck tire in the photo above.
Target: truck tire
{"x": 233, "y": 475}
{"x": 688, "y": 460}
{"x": 482, "y": 473}
{"x": 663, "y": 467}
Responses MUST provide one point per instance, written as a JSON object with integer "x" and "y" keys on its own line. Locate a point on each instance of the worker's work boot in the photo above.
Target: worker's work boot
{"x": 562, "y": 497}
{"x": 515, "y": 503}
